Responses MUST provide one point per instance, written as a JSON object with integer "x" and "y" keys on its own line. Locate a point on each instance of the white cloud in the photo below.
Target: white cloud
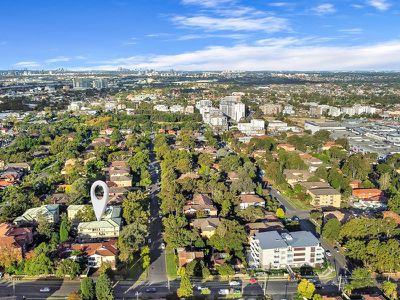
{"x": 58, "y": 59}
{"x": 27, "y": 64}
{"x": 323, "y": 9}
{"x": 208, "y": 3}
{"x": 352, "y": 30}
{"x": 304, "y": 57}
{"x": 267, "y": 24}
{"x": 187, "y": 37}
{"x": 381, "y": 5}
{"x": 279, "y": 4}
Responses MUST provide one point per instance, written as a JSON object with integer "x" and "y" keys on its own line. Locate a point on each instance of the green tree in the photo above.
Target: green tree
{"x": 251, "y": 213}
{"x": 104, "y": 288}
{"x": 130, "y": 239}
{"x": 357, "y": 166}
{"x": 64, "y": 229}
{"x": 87, "y": 288}
{"x": 331, "y": 229}
{"x": 44, "y": 227}
{"x": 185, "y": 289}
{"x": 39, "y": 265}
{"x": 361, "y": 278}
{"x": 225, "y": 270}
{"x": 175, "y": 232}
{"x": 68, "y": 267}
{"x": 205, "y": 159}
{"x": 230, "y": 163}
{"x": 86, "y": 214}
{"x": 306, "y": 289}
{"x": 145, "y": 255}
{"x": 133, "y": 211}
{"x": 390, "y": 290}
{"x": 394, "y": 203}
{"x": 229, "y": 236}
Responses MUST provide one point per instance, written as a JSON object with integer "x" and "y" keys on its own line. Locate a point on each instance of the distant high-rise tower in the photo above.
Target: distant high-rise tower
{"x": 100, "y": 83}
{"x": 232, "y": 107}
{"x": 81, "y": 83}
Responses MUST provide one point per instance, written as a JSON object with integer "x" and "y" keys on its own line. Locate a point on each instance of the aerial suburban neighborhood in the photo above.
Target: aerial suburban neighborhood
{"x": 220, "y": 185}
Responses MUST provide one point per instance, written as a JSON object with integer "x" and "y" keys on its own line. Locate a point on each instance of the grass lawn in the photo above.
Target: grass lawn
{"x": 171, "y": 264}
{"x": 132, "y": 270}
{"x": 298, "y": 204}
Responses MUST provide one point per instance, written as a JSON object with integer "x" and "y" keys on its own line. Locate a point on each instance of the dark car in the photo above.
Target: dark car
{"x": 151, "y": 290}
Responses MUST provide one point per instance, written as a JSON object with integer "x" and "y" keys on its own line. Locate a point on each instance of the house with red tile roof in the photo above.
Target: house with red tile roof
{"x": 97, "y": 253}
{"x": 247, "y": 200}
{"x": 15, "y": 238}
{"x": 373, "y": 195}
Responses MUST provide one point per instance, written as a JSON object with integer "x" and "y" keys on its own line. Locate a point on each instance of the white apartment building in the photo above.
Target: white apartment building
{"x": 176, "y": 109}
{"x": 75, "y": 106}
{"x": 161, "y": 107}
{"x": 271, "y": 109}
{"x": 232, "y": 108}
{"x": 255, "y": 127}
{"x": 203, "y": 103}
{"x": 274, "y": 250}
{"x": 214, "y": 117}
{"x": 288, "y": 110}
{"x": 277, "y": 125}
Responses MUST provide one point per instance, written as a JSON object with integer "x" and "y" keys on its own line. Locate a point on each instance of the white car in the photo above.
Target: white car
{"x": 162, "y": 246}
{"x": 44, "y": 289}
{"x": 328, "y": 253}
{"x": 234, "y": 283}
{"x": 223, "y": 292}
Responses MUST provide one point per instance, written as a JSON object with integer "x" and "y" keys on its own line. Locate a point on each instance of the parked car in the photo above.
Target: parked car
{"x": 234, "y": 283}
{"x": 328, "y": 253}
{"x": 44, "y": 289}
{"x": 162, "y": 246}
{"x": 223, "y": 292}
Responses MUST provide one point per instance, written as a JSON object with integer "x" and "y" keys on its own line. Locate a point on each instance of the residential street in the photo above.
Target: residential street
{"x": 157, "y": 271}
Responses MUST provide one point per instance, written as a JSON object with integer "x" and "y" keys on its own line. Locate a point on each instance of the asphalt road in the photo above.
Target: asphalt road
{"x": 157, "y": 269}
{"x": 60, "y": 289}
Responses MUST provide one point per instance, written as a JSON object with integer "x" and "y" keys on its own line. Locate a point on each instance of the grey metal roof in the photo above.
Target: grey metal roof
{"x": 274, "y": 240}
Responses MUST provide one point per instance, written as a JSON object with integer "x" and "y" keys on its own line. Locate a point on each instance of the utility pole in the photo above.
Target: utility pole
{"x": 13, "y": 281}
{"x": 340, "y": 282}
{"x": 137, "y": 295}
{"x": 265, "y": 285}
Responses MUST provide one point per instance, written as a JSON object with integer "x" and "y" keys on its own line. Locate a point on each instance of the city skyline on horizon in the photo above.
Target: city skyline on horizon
{"x": 202, "y": 35}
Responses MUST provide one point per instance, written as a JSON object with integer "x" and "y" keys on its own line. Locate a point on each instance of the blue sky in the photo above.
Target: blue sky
{"x": 200, "y": 34}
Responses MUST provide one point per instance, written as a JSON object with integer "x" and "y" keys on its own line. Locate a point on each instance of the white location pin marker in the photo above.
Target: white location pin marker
{"x": 99, "y": 205}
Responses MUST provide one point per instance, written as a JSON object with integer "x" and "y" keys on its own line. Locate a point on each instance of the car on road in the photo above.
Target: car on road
{"x": 44, "y": 289}
{"x": 149, "y": 241}
{"x": 234, "y": 283}
{"x": 336, "y": 249}
{"x": 151, "y": 290}
{"x": 295, "y": 218}
{"x": 253, "y": 280}
{"x": 223, "y": 292}
{"x": 328, "y": 253}
{"x": 162, "y": 246}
